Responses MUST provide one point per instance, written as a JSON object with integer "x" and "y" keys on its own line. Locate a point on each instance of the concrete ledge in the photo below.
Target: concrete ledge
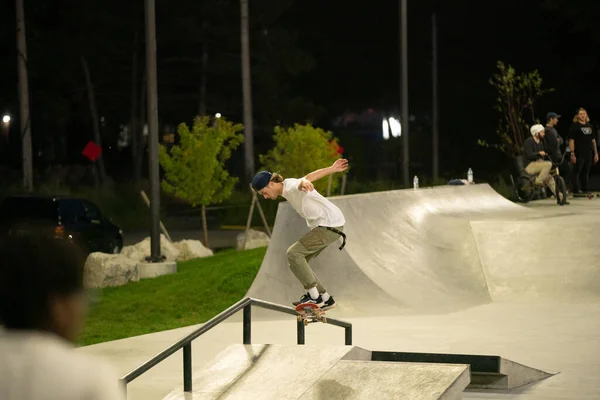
{"x": 275, "y": 372}
{"x": 152, "y": 270}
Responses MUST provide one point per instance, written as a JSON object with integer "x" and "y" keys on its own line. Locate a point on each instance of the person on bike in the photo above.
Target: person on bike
{"x": 535, "y": 156}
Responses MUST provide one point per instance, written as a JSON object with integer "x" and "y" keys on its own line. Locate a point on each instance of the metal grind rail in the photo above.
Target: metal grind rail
{"x": 245, "y": 305}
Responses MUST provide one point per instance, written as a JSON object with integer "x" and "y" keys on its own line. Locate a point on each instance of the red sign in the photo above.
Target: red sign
{"x": 92, "y": 151}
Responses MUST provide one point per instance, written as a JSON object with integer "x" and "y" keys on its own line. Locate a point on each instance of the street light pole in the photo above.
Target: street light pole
{"x": 24, "y": 99}
{"x": 434, "y": 63}
{"x": 152, "y": 106}
{"x": 404, "y": 90}
{"x": 247, "y": 91}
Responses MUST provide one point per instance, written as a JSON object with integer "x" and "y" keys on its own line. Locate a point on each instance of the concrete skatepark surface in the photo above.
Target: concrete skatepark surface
{"x": 255, "y": 371}
{"x": 448, "y": 269}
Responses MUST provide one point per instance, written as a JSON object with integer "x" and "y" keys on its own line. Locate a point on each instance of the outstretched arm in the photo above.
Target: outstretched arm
{"x": 338, "y": 166}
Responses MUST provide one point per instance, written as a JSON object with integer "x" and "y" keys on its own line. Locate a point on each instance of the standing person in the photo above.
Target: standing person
{"x": 553, "y": 143}
{"x": 584, "y": 151}
{"x": 325, "y": 220}
{"x": 42, "y": 307}
{"x": 552, "y": 140}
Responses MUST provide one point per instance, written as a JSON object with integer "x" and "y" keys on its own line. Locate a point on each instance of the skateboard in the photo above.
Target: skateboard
{"x": 310, "y": 313}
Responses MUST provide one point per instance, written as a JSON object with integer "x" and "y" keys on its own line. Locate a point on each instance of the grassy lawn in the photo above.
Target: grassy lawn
{"x": 199, "y": 290}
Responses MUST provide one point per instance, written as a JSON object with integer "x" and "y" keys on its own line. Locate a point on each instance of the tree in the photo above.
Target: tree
{"x": 194, "y": 169}
{"x": 517, "y": 96}
{"x": 300, "y": 150}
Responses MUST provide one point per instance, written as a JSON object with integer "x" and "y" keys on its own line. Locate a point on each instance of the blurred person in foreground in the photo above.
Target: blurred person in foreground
{"x": 42, "y": 307}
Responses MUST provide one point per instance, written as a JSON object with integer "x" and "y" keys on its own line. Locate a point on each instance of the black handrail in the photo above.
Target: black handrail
{"x": 245, "y": 304}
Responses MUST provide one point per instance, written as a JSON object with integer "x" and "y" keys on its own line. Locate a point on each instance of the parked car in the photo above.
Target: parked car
{"x": 74, "y": 219}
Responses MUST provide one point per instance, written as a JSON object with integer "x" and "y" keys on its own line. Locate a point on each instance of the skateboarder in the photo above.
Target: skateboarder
{"x": 325, "y": 220}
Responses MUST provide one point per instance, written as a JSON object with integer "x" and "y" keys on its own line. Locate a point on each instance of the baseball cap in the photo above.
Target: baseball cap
{"x": 551, "y": 115}
{"x": 261, "y": 180}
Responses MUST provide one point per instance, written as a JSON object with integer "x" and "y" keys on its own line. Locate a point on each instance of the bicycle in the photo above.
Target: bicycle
{"x": 525, "y": 186}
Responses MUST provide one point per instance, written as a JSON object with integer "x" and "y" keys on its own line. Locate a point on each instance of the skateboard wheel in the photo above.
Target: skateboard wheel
{"x": 299, "y": 318}
{"x": 305, "y": 322}
{"x": 324, "y": 320}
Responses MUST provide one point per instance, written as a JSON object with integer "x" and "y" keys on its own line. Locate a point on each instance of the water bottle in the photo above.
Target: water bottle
{"x": 415, "y": 182}
{"x": 470, "y": 175}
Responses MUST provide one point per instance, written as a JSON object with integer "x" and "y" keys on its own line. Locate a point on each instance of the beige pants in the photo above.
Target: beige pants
{"x": 542, "y": 170}
{"x": 307, "y": 248}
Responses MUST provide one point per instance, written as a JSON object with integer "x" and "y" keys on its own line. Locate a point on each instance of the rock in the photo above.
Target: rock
{"x": 255, "y": 239}
{"x": 133, "y": 253}
{"x": 189, "y": 249}
{"x": 103, "y": 270}
{"x": 141, "y": 250}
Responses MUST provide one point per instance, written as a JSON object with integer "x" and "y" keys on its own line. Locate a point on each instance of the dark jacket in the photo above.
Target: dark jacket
{"x": 531, "y": 150}
{"x": 552, "y": 142}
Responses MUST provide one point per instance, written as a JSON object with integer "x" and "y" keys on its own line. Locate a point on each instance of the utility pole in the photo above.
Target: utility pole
{"x": 25, "y": 118}
{"x": 434, "y": 80}
{"x": 247, "y": 91}
{"x": 152, "y": 106}
{"x": 404, "y": 89}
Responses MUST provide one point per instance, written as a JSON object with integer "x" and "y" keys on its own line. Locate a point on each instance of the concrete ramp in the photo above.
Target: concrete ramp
{"x": 307, "y": 372}
{"x": 439, "y": 250}
{"x": 406, "y": 250}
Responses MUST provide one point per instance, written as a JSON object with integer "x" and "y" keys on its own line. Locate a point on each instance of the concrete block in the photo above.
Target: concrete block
{"x": 275, "y": 372}
{"x": 152, "y": 270}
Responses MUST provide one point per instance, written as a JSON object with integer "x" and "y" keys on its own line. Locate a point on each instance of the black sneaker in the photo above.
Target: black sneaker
{"x": 329, "y": 304}
{"x": 307, "y": 299}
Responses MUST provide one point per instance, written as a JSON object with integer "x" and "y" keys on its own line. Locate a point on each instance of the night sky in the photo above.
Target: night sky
{"x": 352, "y": 47}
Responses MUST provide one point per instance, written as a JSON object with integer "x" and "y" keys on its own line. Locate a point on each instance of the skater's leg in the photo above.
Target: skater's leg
{"x": 297, "y": 257}
{"x": 307, "y": 248}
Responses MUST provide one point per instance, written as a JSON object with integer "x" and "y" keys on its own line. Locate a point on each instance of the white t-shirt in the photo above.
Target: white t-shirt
{"x": 312, "y": 206}
{"x": 36, "y": 366}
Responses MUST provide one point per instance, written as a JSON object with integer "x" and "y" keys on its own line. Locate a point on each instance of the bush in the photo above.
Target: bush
{"x": 300, "y": 150}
